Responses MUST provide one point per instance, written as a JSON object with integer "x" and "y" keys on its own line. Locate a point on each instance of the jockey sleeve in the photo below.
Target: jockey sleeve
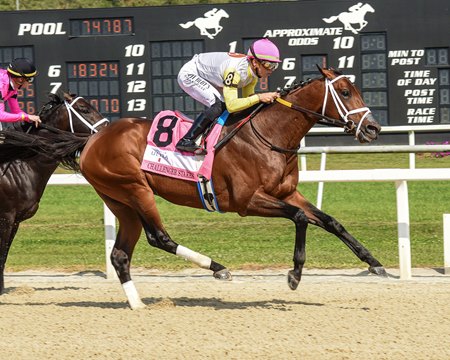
{"x": 7, "y": 94}
{"x": 230, "y": 92}
{"x": 12, "y": 117}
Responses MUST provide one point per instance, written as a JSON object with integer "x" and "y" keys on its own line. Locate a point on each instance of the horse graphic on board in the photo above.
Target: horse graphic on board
{"x": 210, "y": 20}
{"x": 355, "y": 15}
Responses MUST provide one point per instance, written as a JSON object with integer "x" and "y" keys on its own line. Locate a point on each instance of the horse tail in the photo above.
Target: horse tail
{"x": 187, "y": 25}
{"x": 330, "y": 19}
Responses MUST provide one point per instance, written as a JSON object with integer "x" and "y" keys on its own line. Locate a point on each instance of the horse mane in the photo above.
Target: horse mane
{"x": 233, "y": 118}
{"x": 57, "y": 145}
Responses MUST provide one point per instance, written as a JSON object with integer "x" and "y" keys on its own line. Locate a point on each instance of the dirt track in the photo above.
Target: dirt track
{"x": 333, "y": 315}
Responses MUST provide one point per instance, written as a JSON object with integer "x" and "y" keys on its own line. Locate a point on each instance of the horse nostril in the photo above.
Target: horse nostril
{"x": 372, "y": 129}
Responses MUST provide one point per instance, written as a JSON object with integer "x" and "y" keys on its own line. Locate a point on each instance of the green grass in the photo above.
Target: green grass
{"x": 67, "y": 232}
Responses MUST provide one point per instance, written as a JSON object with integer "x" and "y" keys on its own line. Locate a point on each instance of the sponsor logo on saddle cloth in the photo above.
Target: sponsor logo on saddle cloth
{"x": 161, "y": 156}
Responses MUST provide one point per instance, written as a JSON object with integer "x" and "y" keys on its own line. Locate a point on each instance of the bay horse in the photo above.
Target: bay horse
{"x": 28, "y": 159}
{"x": 254, "y": 174}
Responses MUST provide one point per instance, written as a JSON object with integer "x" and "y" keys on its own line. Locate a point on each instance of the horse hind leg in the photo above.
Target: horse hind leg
{"x": 8, "y": 232}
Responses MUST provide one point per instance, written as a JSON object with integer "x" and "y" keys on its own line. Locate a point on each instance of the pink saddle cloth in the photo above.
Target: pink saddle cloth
{"x": 161, "y": 156}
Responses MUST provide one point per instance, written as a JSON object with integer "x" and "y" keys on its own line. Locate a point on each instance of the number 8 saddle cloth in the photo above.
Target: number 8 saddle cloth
{"x": 161, "y": 156}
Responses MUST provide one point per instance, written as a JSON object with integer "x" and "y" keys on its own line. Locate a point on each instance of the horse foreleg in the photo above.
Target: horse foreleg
{"x": 295, "y": 275}
{"x": 330, "y": 224}
{"x": 266, "y": 205}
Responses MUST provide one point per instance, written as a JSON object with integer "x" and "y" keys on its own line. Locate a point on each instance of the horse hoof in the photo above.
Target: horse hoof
{"x": 378, "y": 270}
{"x": 292, "y": 280}
{"x": 223, "y": 274}
{"x": 137, "y": 305}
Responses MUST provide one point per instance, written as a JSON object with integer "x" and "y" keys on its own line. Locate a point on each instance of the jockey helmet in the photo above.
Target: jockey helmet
{"x": 22, "y": 67}
{"x": 264, "y": 50}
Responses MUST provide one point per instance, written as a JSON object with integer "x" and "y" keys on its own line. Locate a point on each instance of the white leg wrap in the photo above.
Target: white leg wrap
{"x": 199, "y": 259}
{"x": 132, "y": 295}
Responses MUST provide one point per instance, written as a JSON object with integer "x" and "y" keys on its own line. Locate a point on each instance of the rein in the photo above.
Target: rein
{"x": 344, "y": 122}
{"x": 238, "y": 127}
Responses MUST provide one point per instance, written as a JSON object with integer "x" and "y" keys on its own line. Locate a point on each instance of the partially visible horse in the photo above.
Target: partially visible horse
{"x": 210, "y": 21}
{"x": 352, "y": 17}
{"x": 254, "y": 174}
{"x": 28, "y": 159}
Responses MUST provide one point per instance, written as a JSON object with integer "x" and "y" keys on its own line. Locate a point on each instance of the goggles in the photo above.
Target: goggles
{"x": 26, "y": 78}
{"x": 266, "y": 64}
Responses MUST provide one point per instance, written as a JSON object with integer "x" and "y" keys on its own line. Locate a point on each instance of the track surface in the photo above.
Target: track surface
{"x": 334, "y": 314}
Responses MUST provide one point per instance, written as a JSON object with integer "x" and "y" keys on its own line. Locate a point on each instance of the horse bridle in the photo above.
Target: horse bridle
{"x": 343, "y": 112}
{"x": 346, "y": 123}
{"x": 70, "y": 109}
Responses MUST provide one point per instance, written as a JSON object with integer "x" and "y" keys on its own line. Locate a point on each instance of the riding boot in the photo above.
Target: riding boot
{"x": 187, "y": 142}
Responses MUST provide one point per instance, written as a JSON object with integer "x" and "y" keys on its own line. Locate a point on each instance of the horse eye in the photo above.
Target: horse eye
{"x": 345, "y": 93}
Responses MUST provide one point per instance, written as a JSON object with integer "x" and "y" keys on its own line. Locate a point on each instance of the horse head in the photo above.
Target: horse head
{"x": 343, "y": 101}
{"x": 367, "y": 8}
{"x": 71, "y": 113}
{"x": 222, "y": 14}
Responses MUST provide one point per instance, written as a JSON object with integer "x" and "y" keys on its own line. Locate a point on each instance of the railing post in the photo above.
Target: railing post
{"x": 323, "y": 165}
{"x": 412, "y": 156}
{"x": 404, "y": 245}
{"x": 302, "y": 156}
{"x": 447, "y": 244}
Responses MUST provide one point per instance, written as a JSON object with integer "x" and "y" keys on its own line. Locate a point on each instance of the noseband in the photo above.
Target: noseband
{"x": 70, "y": 109}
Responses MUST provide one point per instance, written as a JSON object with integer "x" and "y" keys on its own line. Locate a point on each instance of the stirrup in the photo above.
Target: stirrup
{"x": 201, "y": 151}
{"x": 187, "y": 145}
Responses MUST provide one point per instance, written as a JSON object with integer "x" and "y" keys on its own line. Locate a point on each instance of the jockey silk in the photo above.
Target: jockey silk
{"x": 207, "y": 75}
{"x": 8, "y": 94}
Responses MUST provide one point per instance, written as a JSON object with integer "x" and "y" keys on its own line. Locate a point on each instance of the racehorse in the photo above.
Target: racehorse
{"x": 255, "y": 174}
{"x": 27, "y": 161}
{"x": 352, "y": 17}
{"x": 210, "y": 21}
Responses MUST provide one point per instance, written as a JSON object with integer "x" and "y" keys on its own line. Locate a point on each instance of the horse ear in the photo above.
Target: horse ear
{"x": 327, "y": 73}
{"x": 53, "y": 97}
{"x": 321, "y": 70}
{"x": 67, "y": 97}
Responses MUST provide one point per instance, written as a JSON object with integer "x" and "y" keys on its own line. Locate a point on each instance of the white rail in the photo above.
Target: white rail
{"x": 411, "y": 130}
{"x": 399, "y": 176}
{"x": 374, "y": 149}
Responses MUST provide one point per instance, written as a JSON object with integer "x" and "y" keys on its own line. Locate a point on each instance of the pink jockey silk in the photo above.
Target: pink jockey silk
{"x": 15, "y": 113}
{"x": 168, "y": 127}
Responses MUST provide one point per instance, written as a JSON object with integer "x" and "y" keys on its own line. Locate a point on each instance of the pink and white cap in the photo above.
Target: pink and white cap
{"x": 264, "y": 50}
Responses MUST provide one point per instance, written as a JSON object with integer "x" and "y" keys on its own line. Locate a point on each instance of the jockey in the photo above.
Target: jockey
{"x": 355, "y": 8}
{"x": 214, "y": 79}
{"x": 11, "y": 80}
